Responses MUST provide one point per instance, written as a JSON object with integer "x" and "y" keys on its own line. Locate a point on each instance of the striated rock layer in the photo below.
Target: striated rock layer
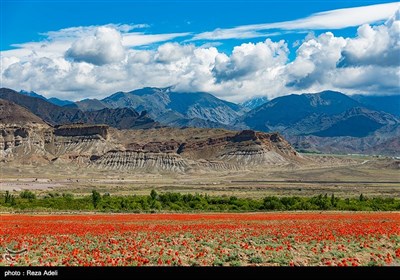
{"x": 32, "y": 141}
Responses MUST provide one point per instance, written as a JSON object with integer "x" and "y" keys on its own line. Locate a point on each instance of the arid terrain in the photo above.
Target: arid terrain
{"x": 342, "y": 175}
{"x": 78, "y": 158}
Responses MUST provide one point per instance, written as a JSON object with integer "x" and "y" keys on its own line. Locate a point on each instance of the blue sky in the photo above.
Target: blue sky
{"x": 24, "y": 21}
{"x": 280, "y": 34}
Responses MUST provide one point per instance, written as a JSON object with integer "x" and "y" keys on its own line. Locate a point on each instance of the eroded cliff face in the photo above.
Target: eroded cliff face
{"x": 31, "y": 143}
{"x": 24, "y": 142}
{"x": 81, "y": 140}
{"x": 243, "y": 148}
{"x": 140, "y": 160}
{"x": 98, "y": 146}
{"x": 84, "y": 130}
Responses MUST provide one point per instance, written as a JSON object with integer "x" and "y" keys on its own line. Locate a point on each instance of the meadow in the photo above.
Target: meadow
{"x": 223, "y": 239}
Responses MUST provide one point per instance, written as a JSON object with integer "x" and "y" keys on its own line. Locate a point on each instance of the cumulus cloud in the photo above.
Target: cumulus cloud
{"x": 378, "y": 45}
{"x": 248, "y": 59}
{"x": 315, "y": 58}
{"x": 368, "y": 63}
{"x": 172, "y": 52}
{"x": 104, "y": 47}
{"x": 374, "y": 79}
{"x": 57, "y": 43}
{"x": 98, "y": 63}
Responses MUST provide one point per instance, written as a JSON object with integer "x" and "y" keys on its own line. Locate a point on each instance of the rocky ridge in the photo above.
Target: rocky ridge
{"x": 102, "y": 147}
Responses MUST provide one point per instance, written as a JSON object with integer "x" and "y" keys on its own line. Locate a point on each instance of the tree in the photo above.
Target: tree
{"x": 7, "y": 198}
{"x": 272, "y": 203}
{"x": 333, "y": 201}
{"x": 153, "y": 195}
{"x": 96, "y": 197}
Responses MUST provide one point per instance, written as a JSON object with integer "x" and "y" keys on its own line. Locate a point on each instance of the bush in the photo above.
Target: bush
{"x": 27, "y": 195}
{"x": 96, "y": 197}
{"x": 272, "y": 203}
{"x": 188, "y": 202}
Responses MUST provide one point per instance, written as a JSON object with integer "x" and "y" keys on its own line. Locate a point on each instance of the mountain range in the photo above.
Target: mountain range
{"x": 389, "y": 104}
{"x": 325, "y": 114}
{"x": 167, "y": 106}
{"x": 53, "y": 100}
{"x": 308, "y": 121}
{"x": 122, "y": 118}
{"x": 26, "y": 139}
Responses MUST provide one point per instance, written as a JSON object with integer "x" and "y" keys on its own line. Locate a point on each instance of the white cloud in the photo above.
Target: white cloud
{"x": 249, "y": 59}
{"x": 80, "y": 31}
{"x": 377, "y": 45}
{"x": 334, "y": 19}
{"x": 104, "y": 47}
{"x": 58, "y": 42}
{"x": 172, "y": 52}
{"x": 233, "y": 33}
{"x": 368, "y": 63}
{"x": 373, "y": 79}
{"x": 341, "y": 18}
{"x": 100, "y": 62}
{"x": 315, "y": 57}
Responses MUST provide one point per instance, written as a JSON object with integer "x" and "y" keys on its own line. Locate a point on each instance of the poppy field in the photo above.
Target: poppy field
{"x": 257, "y": 239}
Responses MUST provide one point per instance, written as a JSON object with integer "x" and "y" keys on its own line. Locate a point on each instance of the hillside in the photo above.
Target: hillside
{"x": 151, "y": 150}
{"x": 11, "y": 113}
{"x": 389, "y": 104}
{"x": 179, "y": 106}
{"x": 325, "y": 114}
{"x": 123, "y": 118}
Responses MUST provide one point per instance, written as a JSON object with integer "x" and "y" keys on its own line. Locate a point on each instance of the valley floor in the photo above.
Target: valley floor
{"x": 343, "y": 176}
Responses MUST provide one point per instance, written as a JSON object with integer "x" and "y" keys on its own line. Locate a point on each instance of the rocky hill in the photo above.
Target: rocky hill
{"x": 13, "y": 114}
{"x": 169, "y": 107}
{"x": 324, "y": 114}
{"x": 122, "y": 118}
{"x": 384, "y": 141}
{"x": 355, "y": 124}
{"x": 190, "y": 149}
{"x": 53, "y": 100}
{"x": 32, "y": 141}
{"x": 253, "y": 103}
{"x": 389, "y": 103}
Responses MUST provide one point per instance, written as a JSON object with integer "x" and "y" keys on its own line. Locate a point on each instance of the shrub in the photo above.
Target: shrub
{"x": 27, "y": 195}
{"x": 96, "y": 197}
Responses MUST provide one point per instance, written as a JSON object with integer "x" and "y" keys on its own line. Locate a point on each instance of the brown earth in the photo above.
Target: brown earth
{"x": 153, "y": 150}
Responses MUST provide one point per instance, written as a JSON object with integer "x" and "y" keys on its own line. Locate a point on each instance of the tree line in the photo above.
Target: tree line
{"x": 177, "y": 202}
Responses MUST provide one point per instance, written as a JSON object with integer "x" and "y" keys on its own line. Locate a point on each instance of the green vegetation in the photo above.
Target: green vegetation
{"x": 96, "y": 197}
{"x": 177, "y": 202}
{"x": 27, "y": 194}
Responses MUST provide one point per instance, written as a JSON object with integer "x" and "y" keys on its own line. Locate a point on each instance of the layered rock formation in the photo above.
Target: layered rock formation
{"x": 98, "y": 146}
{"x": 25, "y": 138}
{"x": 81, "y": 130}
{"x": 23, "y": 135}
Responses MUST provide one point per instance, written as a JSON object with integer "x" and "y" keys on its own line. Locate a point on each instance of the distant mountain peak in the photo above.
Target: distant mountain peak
{"x": 168, "y": 106}
{"x": 327, "y": 98}
{"x": 32, "y": 94}
{"x": 326, "y": 113}
{"x": 53, "y": 100}
{"x": 123, "y": 118}
{"x": 255, "y": 102}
